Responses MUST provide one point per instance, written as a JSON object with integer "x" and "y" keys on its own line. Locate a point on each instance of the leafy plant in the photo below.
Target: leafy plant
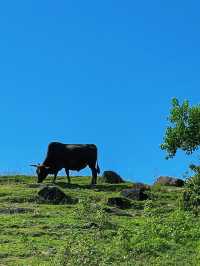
{"x": 184, "y": 131}
{"x": 93, "y": 214}
{"x": 191, "y": 194}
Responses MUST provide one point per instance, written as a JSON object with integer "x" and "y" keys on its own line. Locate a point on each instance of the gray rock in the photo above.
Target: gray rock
{"x": 142, "y": 186}
{"x": 54, "y": 195}
{"x": 119, "y": 202}
{"x": 111, "y": 177}
{"x": 169, "y": 181}
{"x": 134, "y": 193}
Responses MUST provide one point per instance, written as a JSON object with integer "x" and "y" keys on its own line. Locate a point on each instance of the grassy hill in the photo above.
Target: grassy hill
{"x": 151, "y": 232}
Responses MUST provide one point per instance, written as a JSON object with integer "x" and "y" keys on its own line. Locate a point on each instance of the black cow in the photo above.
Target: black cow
{"x": 70, "y": 157}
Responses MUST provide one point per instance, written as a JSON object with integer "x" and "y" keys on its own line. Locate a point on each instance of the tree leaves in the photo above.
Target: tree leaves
{"x": 184, "y": 130}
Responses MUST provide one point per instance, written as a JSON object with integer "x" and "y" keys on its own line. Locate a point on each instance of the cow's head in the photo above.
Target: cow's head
{"x": 42, "y": 171}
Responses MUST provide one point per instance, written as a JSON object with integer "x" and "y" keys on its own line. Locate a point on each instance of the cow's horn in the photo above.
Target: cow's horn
{"x": 34, "y": 165}
{"x": 47, "y": 167}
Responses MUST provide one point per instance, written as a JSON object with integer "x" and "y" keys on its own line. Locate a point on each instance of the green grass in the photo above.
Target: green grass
{"x": 156, "y": 232}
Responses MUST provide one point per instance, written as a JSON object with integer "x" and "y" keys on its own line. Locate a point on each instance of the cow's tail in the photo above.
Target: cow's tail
{"x": 98, "y": 169}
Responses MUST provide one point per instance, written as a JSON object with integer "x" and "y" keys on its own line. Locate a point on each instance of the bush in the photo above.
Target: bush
{"x": 153, "y": 239}
{"x": 90, "y": 213}
{"x": 191, "y": 194}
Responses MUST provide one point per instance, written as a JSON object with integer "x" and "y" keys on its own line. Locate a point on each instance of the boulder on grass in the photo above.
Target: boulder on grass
{"x": 54, "y": 195}
{"x": 169, "y": 181}
{"x": 111, "y": 177}
{"x": 134, "y": 193}
{"x": 141, "y": 186}
{"x": 119, "y": 202}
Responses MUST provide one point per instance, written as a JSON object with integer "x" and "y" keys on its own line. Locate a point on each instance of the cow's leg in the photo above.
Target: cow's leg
{"x": 94, "y": 176}
{"x": 68, "y": 177}
{"x": 55, "y": 175}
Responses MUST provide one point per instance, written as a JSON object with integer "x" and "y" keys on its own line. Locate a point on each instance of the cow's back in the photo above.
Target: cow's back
{"x": 81, "y": 151}
{"x": 55, "y": 150}
{"x": 60, "y": 153}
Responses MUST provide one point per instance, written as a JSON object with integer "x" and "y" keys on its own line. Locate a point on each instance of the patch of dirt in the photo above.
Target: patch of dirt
{"x": 35, "y": 185}
{"x": 116, "y": 211}
{"x": 15, "y": 210}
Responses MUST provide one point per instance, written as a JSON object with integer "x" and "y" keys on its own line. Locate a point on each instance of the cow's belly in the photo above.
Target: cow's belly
{"x": 77, "y": 166}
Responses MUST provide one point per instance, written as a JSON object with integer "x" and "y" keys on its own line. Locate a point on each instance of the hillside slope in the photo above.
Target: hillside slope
{"x": 151, "y": 232}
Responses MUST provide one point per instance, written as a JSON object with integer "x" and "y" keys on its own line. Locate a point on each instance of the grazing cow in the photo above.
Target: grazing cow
{"x": 69, "y": 157}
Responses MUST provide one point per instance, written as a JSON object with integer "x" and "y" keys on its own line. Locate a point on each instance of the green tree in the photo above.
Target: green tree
{"x": 184, "y": 130}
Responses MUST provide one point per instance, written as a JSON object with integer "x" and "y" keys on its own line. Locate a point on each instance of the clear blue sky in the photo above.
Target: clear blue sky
{"x": 100, "y": 72}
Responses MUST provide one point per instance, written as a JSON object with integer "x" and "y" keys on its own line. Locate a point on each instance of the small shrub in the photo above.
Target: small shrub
{"x": 191, "y": 194}
{"x": 92, "y": 213}
{"x": 156, "y": 188}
